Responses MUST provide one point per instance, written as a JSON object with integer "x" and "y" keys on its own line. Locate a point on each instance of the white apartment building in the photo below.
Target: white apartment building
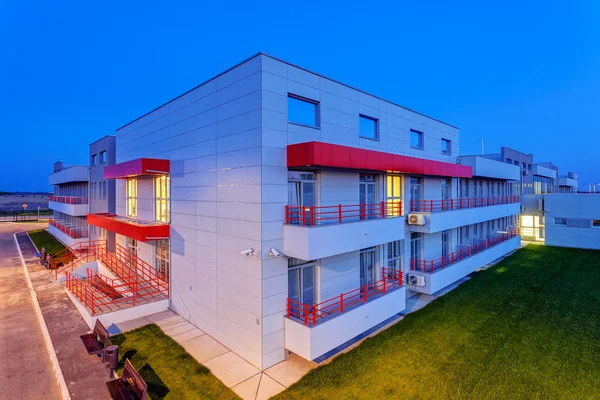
{"x": 69, "y": 203}
{"x": 291, "y": 212}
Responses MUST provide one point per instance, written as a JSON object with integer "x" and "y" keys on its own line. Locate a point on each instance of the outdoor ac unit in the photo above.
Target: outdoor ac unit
{"x": 416, "y": 280}
{"x": 416, "y": 219}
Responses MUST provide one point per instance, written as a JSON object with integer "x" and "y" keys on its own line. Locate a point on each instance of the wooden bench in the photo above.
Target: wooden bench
{"x": 130, "y": 381}
{"x": 97, "y": 341}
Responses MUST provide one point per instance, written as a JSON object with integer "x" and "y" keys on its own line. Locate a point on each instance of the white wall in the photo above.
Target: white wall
{"x": 585, "y": 208}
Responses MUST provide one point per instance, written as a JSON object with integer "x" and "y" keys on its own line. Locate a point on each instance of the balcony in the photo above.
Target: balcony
{"x": 313, "y": 330}
{"x": 66, "y": 233}
{"x": 315, "y": 232}
{"x": 442, "y": 215}
{"x": 75, "y": 173}
{"x": 138, "y": 230}
{"x": 75, "y": 206}
{"x": 444, "y": 271}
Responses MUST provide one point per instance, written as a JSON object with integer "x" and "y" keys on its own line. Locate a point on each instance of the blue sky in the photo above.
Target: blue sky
{"x": 526, "y": 76}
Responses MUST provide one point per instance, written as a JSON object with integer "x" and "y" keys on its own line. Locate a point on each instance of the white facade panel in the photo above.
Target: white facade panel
{"x": 585, "y": 208}
{"x": 75, "y": 173}
{"x": 488, "y": 168}
{"x": 76, "y": 210}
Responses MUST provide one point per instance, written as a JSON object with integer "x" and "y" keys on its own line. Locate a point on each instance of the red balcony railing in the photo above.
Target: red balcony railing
{"x": 312, "y": 314}
{"x": 341, "y": 213}
{"x": 69, "y": 199}
{"x": 74, "y": 233}
{"x": 457, "y": 204}
{"x": 431, "y": 266}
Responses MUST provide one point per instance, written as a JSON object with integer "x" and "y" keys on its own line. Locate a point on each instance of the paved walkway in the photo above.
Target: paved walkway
{"x": 243, "y": 378}
{"x": 84, "y": 374}
{"x": 25, "y": 370}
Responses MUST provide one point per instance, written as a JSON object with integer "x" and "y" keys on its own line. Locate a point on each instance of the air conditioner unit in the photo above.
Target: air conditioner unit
{"x": 415, "y": 280}
{"x": 416, "y": 219}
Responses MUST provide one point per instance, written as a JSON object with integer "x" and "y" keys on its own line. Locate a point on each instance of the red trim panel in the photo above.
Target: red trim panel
{"x": 129, "y": 228}
{"x": 318, "y": 154}
{"x": 141, "y": 166}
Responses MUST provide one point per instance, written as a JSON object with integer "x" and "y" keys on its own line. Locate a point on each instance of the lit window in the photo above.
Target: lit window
{"x": 560, "y": 221}
{"x": 394, "y": 195}
{"x": 446, "y": 146}
{"x": 94, "y": 159}
{"x": 369, "y": 127}
{"x": 162, "y": 260}
{"x": 596, "y": 223}
{"x": 416, "y": 139}
{"x": 303, "y": 111}
{"x": 103, "y": 156}
{"x": 161, "y": 188}
{"x": 132, "y": 197}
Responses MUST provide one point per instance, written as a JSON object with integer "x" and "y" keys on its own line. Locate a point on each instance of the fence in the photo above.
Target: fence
{"x": 431, "y": 266}
{"x": 312, "y": 314}
{"x": 17, "y": 216}
{"x": 457, "y": 204}
{"x": 340, "y": 213}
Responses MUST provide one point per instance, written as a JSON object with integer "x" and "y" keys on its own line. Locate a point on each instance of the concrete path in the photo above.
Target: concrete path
{"x": 243, "y": 378}
{"x": 85, "y": 375}
{"x": 25, "y": 367}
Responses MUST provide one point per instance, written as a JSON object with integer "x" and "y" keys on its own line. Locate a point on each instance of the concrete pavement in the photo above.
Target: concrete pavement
{"x": 25, "y": 367}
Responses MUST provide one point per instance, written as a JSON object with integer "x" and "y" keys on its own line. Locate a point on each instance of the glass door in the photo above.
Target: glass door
{"x": 367, "y": 196}
{"x": 394, "y": 195}
{"x": 416, "y": 247}
{"x": 301, "y": 281}
{"x": 301, "y": 196}
{"x": 367, "y": 266}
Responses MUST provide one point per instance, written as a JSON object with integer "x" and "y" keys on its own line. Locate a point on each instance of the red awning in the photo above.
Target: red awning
{"x": 141, "y": 166}
{"x": 325, "y": 155}
{"x": 127, "y": 227}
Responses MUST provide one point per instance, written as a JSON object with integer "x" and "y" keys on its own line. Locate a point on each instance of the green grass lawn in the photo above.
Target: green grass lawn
{"x": 527, "y": 328}
{"x": 42, "y": 238}
{"x": 169, "y": 371}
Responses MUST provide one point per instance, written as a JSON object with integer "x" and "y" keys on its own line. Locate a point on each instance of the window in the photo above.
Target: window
{"x": 416, "y": 139}
{"x": 394, "y": 195}
{"x": 161, "y": 191}
{"x": 368, "y": 127}
{"x": 94, "y": 159}
{"x": 596, "y": 223}
{"x": 524, "y": 165}
{"x": 445, "y": 243}
{"x": 415, "y": 189}
{"x": 560, "y": 221}
{"x": 105, "y": 190}
{"x": 446, "y": 146}
{"x": 303, "y": 111}
{"x": 132, "y": 197}
{"x": 416, "y": 247}
{"x": 103, "y": 156}
{"x": 508, "y": 160}
{"x": 162, "y": 260}
{"x": 446, "y": 189}
{"x": 301, "y": 281}
{"x": 301, "y": 193}
{"x": 366, "y": 194}
{"x": 394, "y": 255}
{"x": 132, "y": 251}
{"x": 516, "y": 162}
{"x": 529, "y": 167}
{"x": 368, "y": 266}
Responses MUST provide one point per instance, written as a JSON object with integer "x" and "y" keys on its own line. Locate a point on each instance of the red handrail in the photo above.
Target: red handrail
{"x": 75, "y": 233}
{"x": 69, "y": 199}
{"x": 458, "y": 204}
{"x": 340, "y": 213}
{"x": 312, "y": 314}
{"x": 430, "y": 266}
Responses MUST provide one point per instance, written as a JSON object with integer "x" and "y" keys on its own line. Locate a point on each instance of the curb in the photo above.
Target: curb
{"x": 49, "y": 346}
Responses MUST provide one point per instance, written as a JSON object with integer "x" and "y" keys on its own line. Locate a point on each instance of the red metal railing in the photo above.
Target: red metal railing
{"x": 75, "y": 233}
{"x": 136, "y": 280}
{"x": 68, "y": 258}
{"x": 312, "y": 314}
{"x": 69, "y": 199}
{"x": 431, "y": 266}
{"x": 457, "y": 204}
{"x": 338, "y": 214}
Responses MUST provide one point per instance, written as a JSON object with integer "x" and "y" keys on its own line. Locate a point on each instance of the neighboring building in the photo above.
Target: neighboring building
{"x": 562, "y": 219}
{"x": 545, "y": 177}
{"x": 102, "y": 190}
{"x": 283, "y": 208}
{"x": 521, "y": 160}
{"x": 568, "y": 183}
{"x": 69, "y": 203}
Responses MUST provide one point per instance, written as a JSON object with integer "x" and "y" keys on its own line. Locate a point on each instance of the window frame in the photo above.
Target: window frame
{"x": 375, "y": 127}
{"x": 448, "y": 151}
{"x": 315, "y": 103}
{"x": 131, "y": 196}
{"x": 162, "y": 197}
{"x": 420, "y": 142}
{"x": 596, "y": 223}
{"x": 94, "y": 159}
{"x": 298, "y": 268}
{"x": 102, "y": 157}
